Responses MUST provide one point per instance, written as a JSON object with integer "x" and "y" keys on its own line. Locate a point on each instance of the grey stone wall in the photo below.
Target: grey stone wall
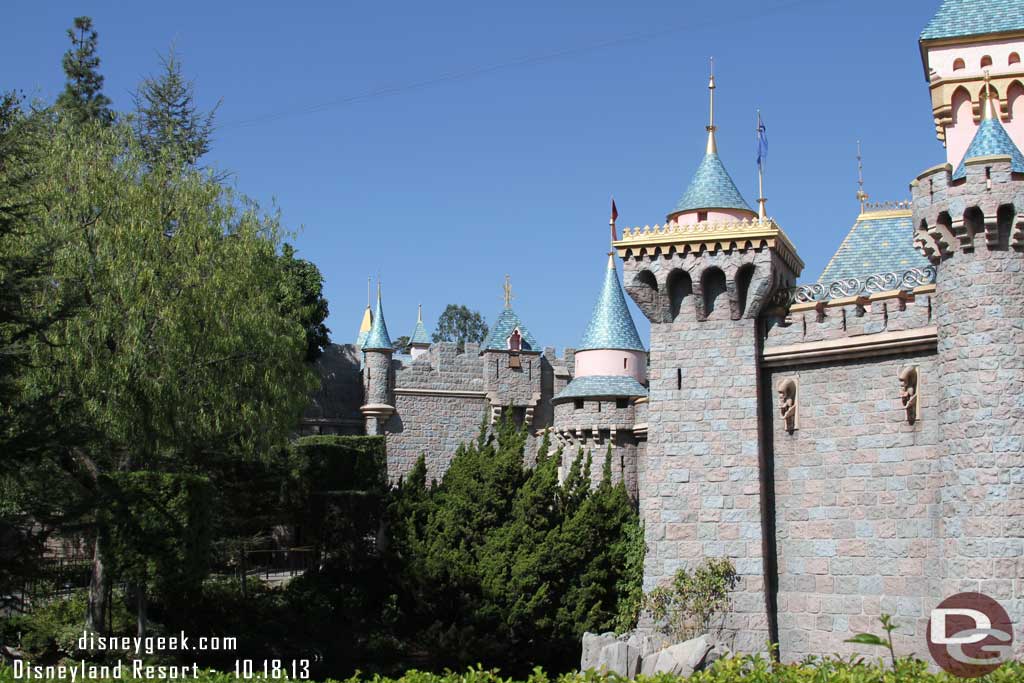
{"x": 444, "y": 367}
{"x": 507, "y": 386}
{"x": 856, "y": 500}
{"x": 334, "y": 407}
{"x": 434, "y": 426}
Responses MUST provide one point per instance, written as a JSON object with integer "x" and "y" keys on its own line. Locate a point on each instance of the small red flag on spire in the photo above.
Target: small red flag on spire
{"x": 615, "y": 214}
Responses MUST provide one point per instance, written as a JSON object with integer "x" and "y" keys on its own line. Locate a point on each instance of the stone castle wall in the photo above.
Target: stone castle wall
{"x": 856, "y": 504}
{"x": 856, "y": 485}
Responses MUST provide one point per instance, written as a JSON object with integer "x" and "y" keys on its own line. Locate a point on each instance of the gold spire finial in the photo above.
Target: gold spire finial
{"x": 712, "y": 145}
{"x": 862, "y": 196}
{"x": 987, "y": 111}
{"x": 508, "y": 292}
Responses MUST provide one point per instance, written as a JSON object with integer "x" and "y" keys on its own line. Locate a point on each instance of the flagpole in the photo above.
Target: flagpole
{"x": 611, "y": 224}
{"x": 760, "y": 172}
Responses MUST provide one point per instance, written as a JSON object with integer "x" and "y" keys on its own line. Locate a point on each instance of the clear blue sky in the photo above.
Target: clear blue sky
{"x": 445, "y": 144}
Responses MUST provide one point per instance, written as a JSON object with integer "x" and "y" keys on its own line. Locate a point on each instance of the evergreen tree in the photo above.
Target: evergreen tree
{"x": 302, "y": 297}
{"x": 82, "y": 98}
{"x": 168, "y": 122}
{"x": 500, "y": 564}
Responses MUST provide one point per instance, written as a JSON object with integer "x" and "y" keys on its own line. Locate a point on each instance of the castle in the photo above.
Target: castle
{"x": 854, "y": 444}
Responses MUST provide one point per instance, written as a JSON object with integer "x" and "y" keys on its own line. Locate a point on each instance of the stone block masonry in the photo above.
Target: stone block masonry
{"x": 431, "y": 424}
{"x": 856, "y": 493}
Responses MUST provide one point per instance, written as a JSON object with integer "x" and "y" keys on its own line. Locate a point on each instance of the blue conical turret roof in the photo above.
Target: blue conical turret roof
{"x": 991, "y": 140}
{"x": 711, "y": 188}
{"x": 419, "y": 334}
{"x": 611, "y": 326}
{"x": 378, "y": 338}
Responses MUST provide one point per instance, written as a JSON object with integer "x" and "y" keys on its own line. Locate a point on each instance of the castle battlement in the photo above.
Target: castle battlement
{"x": 985, "y": 206}
{"x": 860, "y": 325}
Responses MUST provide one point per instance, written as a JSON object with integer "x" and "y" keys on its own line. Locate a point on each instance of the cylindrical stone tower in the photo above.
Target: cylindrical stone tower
{"x": 969, "y": 223}
{"x": 378, "y": 378}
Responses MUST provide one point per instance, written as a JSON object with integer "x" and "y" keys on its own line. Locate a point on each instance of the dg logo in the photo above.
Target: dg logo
{"x": 970, "y": 635}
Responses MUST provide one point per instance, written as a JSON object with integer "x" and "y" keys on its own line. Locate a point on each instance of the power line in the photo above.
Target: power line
{"x": 465, "y": 74}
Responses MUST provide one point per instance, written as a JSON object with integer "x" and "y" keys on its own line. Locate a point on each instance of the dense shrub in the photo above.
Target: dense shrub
{"x": 693, "y": 602}
{"x": 500, "y": 563}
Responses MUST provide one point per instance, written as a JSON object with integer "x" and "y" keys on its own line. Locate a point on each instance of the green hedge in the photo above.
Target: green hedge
{"x": 733, "y": 670}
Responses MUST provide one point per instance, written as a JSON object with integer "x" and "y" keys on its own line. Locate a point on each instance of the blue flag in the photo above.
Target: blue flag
{"x": 762, "y": 143}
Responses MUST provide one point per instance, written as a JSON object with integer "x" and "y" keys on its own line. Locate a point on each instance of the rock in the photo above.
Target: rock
{"x": 681, "y": 659}
{"x": 646, "y": 642}
{"x": 648, "y": 663}
{"x": 593, "y": 643}
{"x": 621, "y": 658}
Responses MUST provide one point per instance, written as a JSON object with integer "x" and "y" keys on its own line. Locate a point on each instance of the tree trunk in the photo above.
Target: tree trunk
{"x": 99, "y": 585}
{"x": 140, "y": 611}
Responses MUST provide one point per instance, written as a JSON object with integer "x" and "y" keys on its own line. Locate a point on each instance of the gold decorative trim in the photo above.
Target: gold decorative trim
{"x": 947, "y": 167}
{"x": 709, "y": 236}
{"x": 990, "y": 159}
{"x": 878, "y": 215}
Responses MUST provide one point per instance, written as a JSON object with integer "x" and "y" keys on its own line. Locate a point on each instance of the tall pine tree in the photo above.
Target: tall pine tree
{"x": 83, "y": 99}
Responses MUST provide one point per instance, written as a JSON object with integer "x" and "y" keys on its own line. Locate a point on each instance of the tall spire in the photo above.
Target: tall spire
{"x": 711, "y": 128}
{"x": 378, "y": 337}
{"x": 988, "y": 111}
{"x": 419, "y": 313}
{"x": 862, "y": 196}
{"x": 762, "y": 152}
{"x": 367, "y": 322}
